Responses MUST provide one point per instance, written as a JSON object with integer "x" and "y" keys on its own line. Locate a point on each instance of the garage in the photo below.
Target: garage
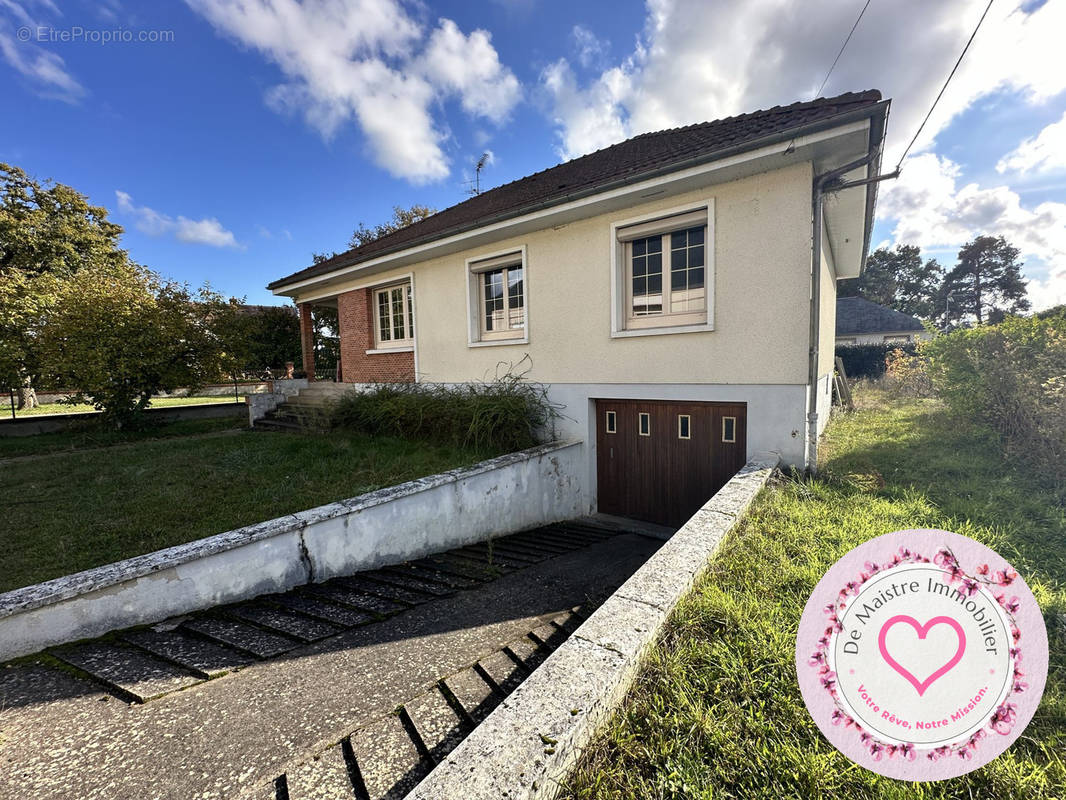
{"x": 659, "y": 461}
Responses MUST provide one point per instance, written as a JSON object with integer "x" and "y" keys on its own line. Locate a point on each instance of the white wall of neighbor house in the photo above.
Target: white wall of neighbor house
{"x": 883, "y": 337}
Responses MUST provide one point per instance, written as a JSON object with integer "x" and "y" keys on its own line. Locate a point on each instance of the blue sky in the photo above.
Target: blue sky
{"x": 256, "y": 132}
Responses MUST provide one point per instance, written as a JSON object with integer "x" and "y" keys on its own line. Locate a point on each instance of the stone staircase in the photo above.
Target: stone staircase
{"x": 306, "y": 410}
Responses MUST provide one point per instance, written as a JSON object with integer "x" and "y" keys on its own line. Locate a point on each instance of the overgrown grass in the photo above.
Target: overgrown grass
{"x": 717, "y": 712}
{"x": 84, "y": 408}
{"x": 505, "y": 414}
{"x": 72, "y": 510}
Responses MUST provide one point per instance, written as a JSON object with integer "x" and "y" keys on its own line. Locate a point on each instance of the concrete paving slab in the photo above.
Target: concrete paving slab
{"x": 412, "y": 597}
{"x": 320, "y": 608}
{"x": 529, "y": 652}
{"x": 323, "y": 777}
{"x": 504, "y": 671}
{"x": 440, "y": 728}
{"x": 224, "y": 739}
{"x": 206, "y": 658}
{"x": 244, "y": 637}
{"x": 344, "y": 595}
{"x": 475, "y": 696}
{"x": 133, "y": 672}
{"x": 298, "y": 626}
{"x": 437, "y": 576}
{"x": 411, "y": 582}
{"x": 483, "y": 555}
{"x": 476, "y": 567}
{"x": 389, "y": 764}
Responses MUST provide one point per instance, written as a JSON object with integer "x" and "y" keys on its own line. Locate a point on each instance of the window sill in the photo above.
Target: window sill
{"x": 498, "y": 342}
{"x": 666, "y": 329}
{"x": 382, "y": 350}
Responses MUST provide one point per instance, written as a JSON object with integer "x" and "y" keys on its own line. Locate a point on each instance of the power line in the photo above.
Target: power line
{"x": 945, "y": 86}
{"x": 834, "y": 64}
{"x": 839, "y": 54}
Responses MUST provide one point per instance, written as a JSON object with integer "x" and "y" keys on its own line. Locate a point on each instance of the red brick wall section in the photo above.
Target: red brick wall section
{"x": 355, "y": 315}
{"x": 307, "y": 340}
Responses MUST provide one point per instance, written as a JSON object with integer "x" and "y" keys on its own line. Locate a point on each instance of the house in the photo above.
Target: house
{"x": 860, "y": 321}
{"x": 662, "y": 288}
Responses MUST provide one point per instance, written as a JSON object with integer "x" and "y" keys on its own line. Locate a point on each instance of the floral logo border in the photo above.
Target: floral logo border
{"x": 1002, "y": 719}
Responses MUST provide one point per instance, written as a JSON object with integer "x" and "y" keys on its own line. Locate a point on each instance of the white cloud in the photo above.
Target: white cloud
{"x": 591, "y": 50}
{"x": 1041, "y": 153}
{"x": 360, "y": 60}
{"x": 469, "y": 66}
{"x": 699, "y": 61}
{"x": 208, "y": 231}
{"x": 588, "y": 118}
{"x": 932, "y": 210}
{"x": 45, "y": 71}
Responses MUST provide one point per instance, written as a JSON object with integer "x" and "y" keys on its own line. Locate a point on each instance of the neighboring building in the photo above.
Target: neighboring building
{"x": 861, "y": 322}
{"x": 662, "y": 288}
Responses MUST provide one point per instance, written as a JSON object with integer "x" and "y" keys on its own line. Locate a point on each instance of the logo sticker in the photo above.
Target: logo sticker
{"x": 922, "y": 655}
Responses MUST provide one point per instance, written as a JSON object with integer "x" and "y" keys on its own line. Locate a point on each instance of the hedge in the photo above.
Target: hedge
{"x": 868, "y": 360}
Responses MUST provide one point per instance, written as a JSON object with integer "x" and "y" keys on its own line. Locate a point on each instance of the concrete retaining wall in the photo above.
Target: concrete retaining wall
{"x": 496, "y": 497}
{"x": 54, "y": 423}
{"x": 526, "y": 747}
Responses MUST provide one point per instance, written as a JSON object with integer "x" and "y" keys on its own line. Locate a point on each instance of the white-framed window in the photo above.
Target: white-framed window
{"x": 498, "y": 299}
{"x": 684, "y": 426}
{"x": 394, "y": 317}
{"x": 729, "y": 429}
{"x": 644, "y": 423}
{"x": 664, "y": 272}
{"x": 611, "y": 422}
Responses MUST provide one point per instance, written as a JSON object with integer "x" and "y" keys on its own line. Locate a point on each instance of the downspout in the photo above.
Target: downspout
{"x": 824, "y": 184}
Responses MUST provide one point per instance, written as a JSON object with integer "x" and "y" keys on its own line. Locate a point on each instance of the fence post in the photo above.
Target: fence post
{"x": 11, "y": 394}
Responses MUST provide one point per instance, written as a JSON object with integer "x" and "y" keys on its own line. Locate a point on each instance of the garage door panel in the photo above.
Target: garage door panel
{"x": 662, "y": 477}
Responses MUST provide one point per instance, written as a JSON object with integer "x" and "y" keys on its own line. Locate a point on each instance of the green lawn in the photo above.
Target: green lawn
{"x": 717, "y": 713}
{"x": 71, "y": 507}
{"x": 66, "y": 408}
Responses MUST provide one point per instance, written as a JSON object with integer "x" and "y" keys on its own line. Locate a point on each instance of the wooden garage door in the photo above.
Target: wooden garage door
{"x": 660, "y": 461}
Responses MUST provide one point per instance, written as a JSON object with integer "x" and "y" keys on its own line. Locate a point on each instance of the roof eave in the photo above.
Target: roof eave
{"x": 863, "y": 112}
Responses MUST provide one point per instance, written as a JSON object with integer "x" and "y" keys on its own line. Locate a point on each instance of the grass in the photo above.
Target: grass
{"x": 73, "y": 508}
{"x": 67, "y": 408}
{"x": 89, "y": 434}
{"x": 716, "y": 711}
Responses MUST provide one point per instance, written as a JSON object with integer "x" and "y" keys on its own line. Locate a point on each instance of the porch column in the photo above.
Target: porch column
{"x": 307, "y": 340}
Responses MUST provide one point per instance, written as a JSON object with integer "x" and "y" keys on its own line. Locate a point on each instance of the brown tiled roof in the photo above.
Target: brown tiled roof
{"x": 632, "y": 159}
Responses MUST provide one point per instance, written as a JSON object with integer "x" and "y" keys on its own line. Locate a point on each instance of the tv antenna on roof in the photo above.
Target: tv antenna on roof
{"x": 480, "y": 165}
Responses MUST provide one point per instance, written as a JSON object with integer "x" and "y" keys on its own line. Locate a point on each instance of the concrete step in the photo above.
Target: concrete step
{"x": 131, "y": 673}
{"x": 438, "y": 725}
{"x": 389, "y": 762}
{"x": 246, "y": 638}
{"x": 476, "y": 696}
{"x": 324, "y": 776}
{"x": 205, "y": 658}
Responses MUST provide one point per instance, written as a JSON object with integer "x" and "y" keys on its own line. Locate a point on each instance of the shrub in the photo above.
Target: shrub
{"x": 498, "y": 416}
{"x": 908, "y": 374}
{"x": 1011, "y": 377}
{"x": 868, "y": 360}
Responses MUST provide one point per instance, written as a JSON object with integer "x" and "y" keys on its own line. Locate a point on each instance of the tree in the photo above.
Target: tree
{"x": 401, "y": 218}
{"x": 48, "y": 233}
{"x": 121, "y": 336}
{"x": 258, "y": 337}
{"x": 899, "y": 279}
{"x": 986, "y": 284}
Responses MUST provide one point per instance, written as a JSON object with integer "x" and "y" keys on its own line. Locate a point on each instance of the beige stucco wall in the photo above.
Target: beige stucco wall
{"x": 761, "y": 298}
{"x": 827, "y": 310}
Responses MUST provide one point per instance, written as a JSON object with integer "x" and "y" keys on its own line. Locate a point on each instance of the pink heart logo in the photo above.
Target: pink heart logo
{"x": 921, "y": 630}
